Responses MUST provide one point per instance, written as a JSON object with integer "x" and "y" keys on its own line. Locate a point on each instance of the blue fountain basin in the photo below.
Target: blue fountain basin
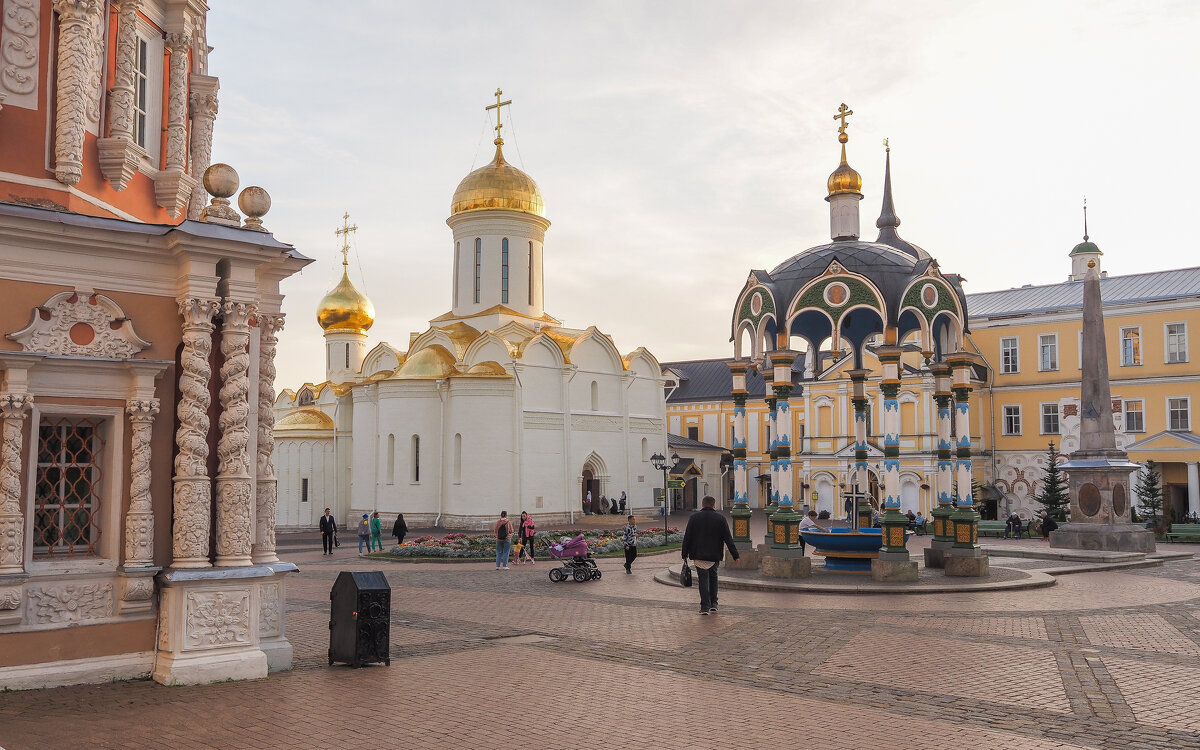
{"x": 844, "y": 540}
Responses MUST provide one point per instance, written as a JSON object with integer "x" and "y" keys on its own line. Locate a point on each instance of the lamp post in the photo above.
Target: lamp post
{"x": 663, "y": 464}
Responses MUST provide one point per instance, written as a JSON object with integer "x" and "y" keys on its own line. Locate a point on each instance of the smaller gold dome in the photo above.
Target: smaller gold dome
{"x": 497, "y": 185}
{"x": 345, "y": 308}
{"x": 844, "y": 179}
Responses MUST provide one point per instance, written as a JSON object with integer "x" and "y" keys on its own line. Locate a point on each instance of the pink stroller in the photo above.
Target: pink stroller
{"x": 577, "y": 561}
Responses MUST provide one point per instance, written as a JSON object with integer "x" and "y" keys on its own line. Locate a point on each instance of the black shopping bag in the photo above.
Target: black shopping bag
{"x": 685, "y": 575}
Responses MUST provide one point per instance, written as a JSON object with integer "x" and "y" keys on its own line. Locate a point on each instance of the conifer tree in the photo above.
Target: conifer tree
{"x": 1053, "y": 497}
{"x": 1149, "y": 492}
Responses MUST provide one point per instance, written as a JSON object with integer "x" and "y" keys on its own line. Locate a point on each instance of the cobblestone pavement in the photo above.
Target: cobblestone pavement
{"x": 495, "y": 659}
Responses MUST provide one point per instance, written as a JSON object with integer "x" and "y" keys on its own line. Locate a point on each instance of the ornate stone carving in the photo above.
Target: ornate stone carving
{"x": 193, "y": 493}
{"x": 68, "y": 603}
{"x": 234, "y": 485}
{"x": 267, "y": 489}
{"x": 119, "y": 157}
{"x": 139, "y": 521}
{"x": 12, "y": 520}
{"x": 138, "y": 590}
{"x": 204, "y": 111}
{"x": 270, "y": 610}
{"x": 19, "y": 38}
{"x": 80, "y": 325}
{"x": 10, "y": 597}
{"x": 216, "y": 618}
{"x": 80, "y": 54}
{"x": 173, "y": 186}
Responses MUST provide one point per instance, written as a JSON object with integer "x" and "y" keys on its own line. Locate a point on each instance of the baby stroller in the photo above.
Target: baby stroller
{"x": 577, "y": 562}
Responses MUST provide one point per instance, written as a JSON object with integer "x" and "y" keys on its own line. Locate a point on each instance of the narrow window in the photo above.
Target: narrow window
{"x": 391, "y": 459}
{"x": 67, "y": 494}
{"x": 457, "y": 250}
{"x": 1131, "y": 346}
{"x": 1176, "y": 343}
{"x": 1008, "y": 356}
{"x": 1135, "y": 415}
{"x": 1012, "y": 420}
{"x": 1178, "y": 414}
{"x": 347, "y": 356}
{"x": 304, "y": 490}
{"x": 457, "y": 457}
{"x": 693, "y": 433}
{"x": 530, "y": 272}
{"x": 141, "y": 92}
{"x": 478, "y": 263}
{"x": 416, "y": 458}
{"x": 1048, "y": 352}
{"x": 645, "y": 450}
{"x": 504, "y": 271}
{"x": 1049, "y": 419}
{"x": 595, "y": 396}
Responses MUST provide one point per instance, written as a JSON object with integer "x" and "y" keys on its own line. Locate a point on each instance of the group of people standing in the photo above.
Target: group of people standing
{"x": 602, "y": 506}
{"x": 370, "y": 532}
{"x": 503, "y": 531}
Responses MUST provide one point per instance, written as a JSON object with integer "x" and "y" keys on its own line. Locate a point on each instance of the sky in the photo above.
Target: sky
{"x": 680, "y": 144}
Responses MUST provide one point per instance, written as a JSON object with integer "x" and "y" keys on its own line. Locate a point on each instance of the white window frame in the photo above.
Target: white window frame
{"x": 155, "y": 50}
{"x": 1016, "y": 358}
{"x": 1167, "y": 343}
{"x": 112, "y": 497}
{"x": 1126, "y": 411}
{"x": 1053, "y": 337}
{"x": 1057, "y": 418}
{"x": 1137, "y": 355}
{"x": 1004, "y": 417}
{"x": 1187, "y": 411}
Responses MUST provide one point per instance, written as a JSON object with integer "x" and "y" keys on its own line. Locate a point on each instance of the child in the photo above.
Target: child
{"x": 517, "y": 548}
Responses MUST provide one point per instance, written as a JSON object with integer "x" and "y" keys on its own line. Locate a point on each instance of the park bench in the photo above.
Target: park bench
{"x": 991, "y": 527}
{"x": 1184, "y": 532}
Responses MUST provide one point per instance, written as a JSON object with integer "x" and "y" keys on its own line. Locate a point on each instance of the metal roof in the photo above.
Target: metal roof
{"x": 675, "y": 442}
{"x": 710, "y": 379}
{"x": 1153, "y": 286}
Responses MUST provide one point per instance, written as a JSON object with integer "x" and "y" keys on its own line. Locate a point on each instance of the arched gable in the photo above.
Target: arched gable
{"x": 595, "y": 351}
{"x": 541, "y": 350}
{"x": 595, "y": 462}
{"x": 382, "y": 359}
{"x": 436, "y": 337}
{"x": 488, "y": 347}
{"x": 643, "y": 364}
{"x": 755, "y": 303}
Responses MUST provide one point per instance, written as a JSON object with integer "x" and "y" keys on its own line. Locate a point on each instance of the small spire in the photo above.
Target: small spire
{"x": 887, "y": 213}
{"x": 1085, "y": 232}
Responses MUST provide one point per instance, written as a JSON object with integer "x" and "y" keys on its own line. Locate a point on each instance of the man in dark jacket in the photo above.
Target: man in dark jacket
{"x": 328, "y": 532}
{"x": 707, "y": 531}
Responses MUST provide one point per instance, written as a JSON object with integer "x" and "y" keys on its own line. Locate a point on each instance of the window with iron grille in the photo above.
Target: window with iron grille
{"x": 69, "y": 482}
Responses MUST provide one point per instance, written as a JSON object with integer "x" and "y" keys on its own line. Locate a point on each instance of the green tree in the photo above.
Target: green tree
{"x": 1054, "y": 498}
{"x": 1149, "y": 493}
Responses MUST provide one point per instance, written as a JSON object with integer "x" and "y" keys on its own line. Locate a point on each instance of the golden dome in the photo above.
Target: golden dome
{"x": 430, "y": 362}
{"x": 844, "y": 179}
{"x": 305, "y": 419}
{"x": 345, "y": 308}
{"x": 497, "y": 185}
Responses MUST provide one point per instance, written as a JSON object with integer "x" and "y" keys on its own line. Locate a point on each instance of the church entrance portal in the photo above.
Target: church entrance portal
{"x": 590, "y": 483}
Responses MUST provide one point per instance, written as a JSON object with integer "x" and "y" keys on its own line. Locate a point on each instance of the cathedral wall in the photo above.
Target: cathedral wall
{"x": 401, "y": 442}
{"x": 543, "y": 473}
{"x": 481, "y": 480}
{"x": 541, "y": 388}
{"x": 298, "y": 458}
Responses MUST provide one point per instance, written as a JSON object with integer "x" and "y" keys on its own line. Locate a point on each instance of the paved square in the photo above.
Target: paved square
{"x": 494, "y": 659}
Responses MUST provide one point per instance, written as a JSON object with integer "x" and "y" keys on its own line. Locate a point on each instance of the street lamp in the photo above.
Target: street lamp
{"x": 660, "y": 462}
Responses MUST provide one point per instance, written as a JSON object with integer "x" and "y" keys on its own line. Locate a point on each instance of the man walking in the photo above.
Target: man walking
{"x": 703, "y": 538}
{"x": 328, "y": 532}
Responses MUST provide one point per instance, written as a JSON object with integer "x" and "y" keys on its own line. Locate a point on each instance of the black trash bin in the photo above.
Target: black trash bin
{"x": 360, "y": 610}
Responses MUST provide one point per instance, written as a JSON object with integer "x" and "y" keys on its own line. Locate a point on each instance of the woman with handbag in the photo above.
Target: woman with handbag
{"x": 629, "y": 537}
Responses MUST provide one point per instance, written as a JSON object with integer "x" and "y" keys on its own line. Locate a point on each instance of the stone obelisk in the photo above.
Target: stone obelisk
{"x": 1098, "y": 472}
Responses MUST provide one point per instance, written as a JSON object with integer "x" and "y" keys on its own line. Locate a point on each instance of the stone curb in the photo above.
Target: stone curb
{"x": 1034, "y": 579}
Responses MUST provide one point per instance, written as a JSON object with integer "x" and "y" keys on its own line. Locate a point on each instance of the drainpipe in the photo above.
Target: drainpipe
{"x": 441, "y": 454}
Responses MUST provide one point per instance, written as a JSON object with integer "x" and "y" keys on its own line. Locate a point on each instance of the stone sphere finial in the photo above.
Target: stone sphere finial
{"x": 221, "y": 181}
{"x": 255, "y": 203}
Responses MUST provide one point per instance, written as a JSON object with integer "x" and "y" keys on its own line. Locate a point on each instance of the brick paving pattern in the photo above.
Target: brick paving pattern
{"x": 487, "y": 659}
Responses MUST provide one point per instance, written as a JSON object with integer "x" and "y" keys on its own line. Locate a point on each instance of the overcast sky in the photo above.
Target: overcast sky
{"x": 679, "y": 145}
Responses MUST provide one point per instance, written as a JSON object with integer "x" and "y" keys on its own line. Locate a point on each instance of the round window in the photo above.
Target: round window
{"x": 929, "y": 295}
{"x": 837, "y": 294}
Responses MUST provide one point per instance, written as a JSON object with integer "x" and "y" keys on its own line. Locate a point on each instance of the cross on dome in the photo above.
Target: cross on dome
{"x": 843, "y": 113}
{"x": 499, "y": 141}
{"x": 344, "y": 233}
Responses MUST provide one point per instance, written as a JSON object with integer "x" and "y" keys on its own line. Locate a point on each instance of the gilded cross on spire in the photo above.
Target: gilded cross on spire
{"x": 843, "y": 113}
{"x": 1085, "y": 236}
{"x": 497, "y": 106}
{"x": 344, "y": 232}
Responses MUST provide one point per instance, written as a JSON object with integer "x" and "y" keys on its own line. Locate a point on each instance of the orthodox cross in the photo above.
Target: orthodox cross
{"x": 344, "y": 232}
{"x": 886, "y": 147}
{"x": 497, "y": 107}
{"x": 843, "y": 113}
{"x": 1085, "y": 236}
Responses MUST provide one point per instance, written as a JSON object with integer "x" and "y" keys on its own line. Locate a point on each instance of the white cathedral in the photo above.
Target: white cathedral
{"x": 496, "y": 406}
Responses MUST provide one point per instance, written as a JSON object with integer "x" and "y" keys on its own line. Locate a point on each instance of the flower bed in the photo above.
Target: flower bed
{"x": 483, "y": 546}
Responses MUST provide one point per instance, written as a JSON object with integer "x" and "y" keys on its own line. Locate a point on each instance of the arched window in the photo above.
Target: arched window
{"x": 504, "y": 271}
{"x": 645, "y": 450}
{"x": 531, "y": 272}
{"x": 391, "y": 459}
{"x": 457, "y": 250}
{"x": 457, "y": 457}
{"x": 347, "y": 356}
{"x": 478, "y": 263}
{"x": 595, "y": 396}
{"x": 416, "y": 458}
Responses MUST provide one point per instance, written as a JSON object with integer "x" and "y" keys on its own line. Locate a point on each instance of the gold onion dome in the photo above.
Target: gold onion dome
{"x": 497, "y": 185}
{"x": 345, "y": 308}
{"x": 844, "y": 179}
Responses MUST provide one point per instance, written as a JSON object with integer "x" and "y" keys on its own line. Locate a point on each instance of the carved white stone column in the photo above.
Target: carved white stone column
{"x": 173, "y": 186}
{"x": 235, "y": 483}
{"x": 204, "y": 112}
{"x": 13, "y": 407}
{"x": 193, "y": 492}
{"x": 119, "y": 157}
{"x": 266, "y": 485}
{"x": 139, "y": 520}
{"x": 80, "y": 54}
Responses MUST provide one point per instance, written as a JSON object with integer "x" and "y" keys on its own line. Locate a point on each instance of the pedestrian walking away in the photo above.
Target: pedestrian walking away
{"x": 525, "y": 534}
{"x": 629, "y": 537}
{"x": 364, "y": 533}
{"x": 328, "y": 532}
{"x": 400, "y": 529}
{"x": 706, "y": 535}
{"x": 502, "y": 530}
{"x": 376, "y": 533}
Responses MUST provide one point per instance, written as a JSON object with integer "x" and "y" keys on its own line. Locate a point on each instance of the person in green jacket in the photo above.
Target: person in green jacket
{"x": 376, "y": 533}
